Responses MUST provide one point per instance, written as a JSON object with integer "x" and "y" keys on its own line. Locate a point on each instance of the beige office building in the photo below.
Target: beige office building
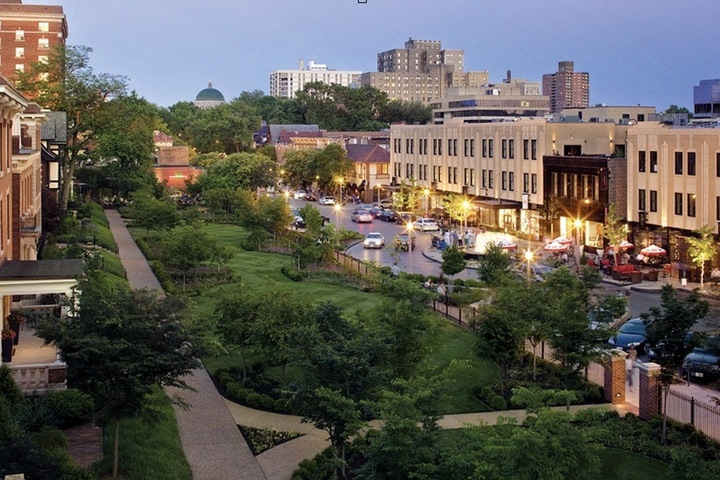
{"x": 286, "y": 83}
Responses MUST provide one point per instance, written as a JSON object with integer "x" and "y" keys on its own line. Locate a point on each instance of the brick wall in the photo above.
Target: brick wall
{"x": 614, "y": 390}
{"x": 649, "y": 390}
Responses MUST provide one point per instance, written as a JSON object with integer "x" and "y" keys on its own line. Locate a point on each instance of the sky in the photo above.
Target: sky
{"x": 637, "y": 52}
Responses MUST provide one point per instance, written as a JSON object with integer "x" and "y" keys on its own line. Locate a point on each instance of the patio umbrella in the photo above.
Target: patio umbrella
{"x": 507, "y": 244}
{"x": 653, "y": 251}
{"x": 564, "y": 240}
{"x": 624, "y": 244}
{"x": 555, "y": 247}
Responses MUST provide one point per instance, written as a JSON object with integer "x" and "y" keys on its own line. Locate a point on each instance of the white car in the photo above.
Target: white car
{"x": 361, "y": 216}
{"x": 374, "y": 240}
{"x": 326, "y": 201}
{"x": 426, "y": 225}
{"x": 300, "y": 194}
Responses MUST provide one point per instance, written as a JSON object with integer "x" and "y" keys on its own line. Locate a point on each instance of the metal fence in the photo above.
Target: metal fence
{"x": 352, "y": 263}
{"x": 701, "y": 415}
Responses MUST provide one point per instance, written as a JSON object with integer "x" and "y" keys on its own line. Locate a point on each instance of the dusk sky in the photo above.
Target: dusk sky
{"x": 647, "y": 52}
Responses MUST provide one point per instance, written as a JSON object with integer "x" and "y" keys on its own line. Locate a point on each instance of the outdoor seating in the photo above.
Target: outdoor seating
{"x": 651, "y": 275}
{"x": 622, "y": 272}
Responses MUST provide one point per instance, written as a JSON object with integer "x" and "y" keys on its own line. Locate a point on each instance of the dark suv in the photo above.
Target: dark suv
{"x": 703, "y": 363}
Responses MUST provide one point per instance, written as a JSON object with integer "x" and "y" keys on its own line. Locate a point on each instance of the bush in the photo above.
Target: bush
{"x": 292, "y": 274}
{"x": 70, "y": 407}
{"x": 50, "y": 437}
{"x": 497, "y": 402}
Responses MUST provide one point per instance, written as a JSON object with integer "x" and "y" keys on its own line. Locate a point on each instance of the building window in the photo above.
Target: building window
{"x": 512, "y": 181}
{"x": 691, "y": 204}
{"x": 526, "y": 149}
{"x": 43, "y": 26}
{"x": 19, "y": 52}
{"x": 511, "y": 148}
{"x": 472, "y": 177}
{"x": 691, "y": 163}
{"x": 466, "y": 177}
{"x": 641, "y": 199}
{"x": 491, "y": 152}
{"x": 449, "y": 175}
{"x": 653, "y": 200}
{"x": 717, "y": 209}
{"x": 19, "y": 35}
{"x": 43, "y": 44}
{"x": 717, "y": 164}
{"x": 491, "y": 179}
{"x": 472, "y": 147}
{"x": 533, "y": 149}
{"x": 653, "y": 162}
{"x": 455, "y": 175}
{"x": 533, "y": 183}
{"x": 504, "y": 148}
{"x": 526, "y": 182}
{"x": 678, "y": 163}
{"x": 19, "y": 67}
{"x": 483, "y": 178}
{"x": 503, "y": 183}
{"x": 641, "y": 162}
{"x": 678, "y": 203}
{"x": 485, "y": 151}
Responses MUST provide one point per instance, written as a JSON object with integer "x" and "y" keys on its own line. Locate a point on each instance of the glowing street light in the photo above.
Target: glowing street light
{"x": 466, "y": 207}
{"x": 410, "y": 245}
{"x": 528, "y": 255}
{"x": 426, "y": 194}
{"x": 337, "y": 212}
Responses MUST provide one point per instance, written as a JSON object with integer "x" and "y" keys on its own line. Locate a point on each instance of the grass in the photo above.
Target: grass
{"x": 148, "y": 449}
{"x": 624, "y": 465}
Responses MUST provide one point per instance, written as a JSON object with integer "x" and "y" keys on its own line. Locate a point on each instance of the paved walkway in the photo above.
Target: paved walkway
{"x": 212, "y": 443}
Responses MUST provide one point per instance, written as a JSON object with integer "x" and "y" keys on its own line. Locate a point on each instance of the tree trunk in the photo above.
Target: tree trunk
{"x": 116, "y": 442}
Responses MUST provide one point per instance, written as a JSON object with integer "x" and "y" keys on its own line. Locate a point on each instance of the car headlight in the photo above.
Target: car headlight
{"x": 633, "y": 344}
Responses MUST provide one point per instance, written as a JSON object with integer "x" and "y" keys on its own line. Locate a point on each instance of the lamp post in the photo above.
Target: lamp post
{"x": 426, "y": 194}
{"x": 466, "y": 206}
{"x": 410, "y": 245}
{"x": 528, "y": 256}
{"x": 578, "y": 225}
{"x": 337, "y": 213}
{"x": 339, "y": 182}
{"x": 379, "y": 187}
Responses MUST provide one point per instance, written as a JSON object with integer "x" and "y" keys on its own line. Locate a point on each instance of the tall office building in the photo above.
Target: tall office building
{"x": 706, "y": 98}
{"x": 28, "y": 33}
{"x": 286, "y": 83}
{"x": 566, "y": 87}
{"x": 421, "y": 72}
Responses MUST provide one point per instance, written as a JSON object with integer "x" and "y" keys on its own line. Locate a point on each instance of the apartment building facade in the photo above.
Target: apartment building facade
{"x": 567, "y": 88}
{"x": 28, "y": 33}
{"x": 286, "y": 83}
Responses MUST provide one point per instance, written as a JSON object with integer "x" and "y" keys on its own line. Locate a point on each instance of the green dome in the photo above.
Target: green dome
{"x": 210, "y": 94}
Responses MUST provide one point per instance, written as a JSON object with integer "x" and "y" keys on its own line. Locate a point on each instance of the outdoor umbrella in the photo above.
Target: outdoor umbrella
{"x": 624, "y": 244}
{"x": 653, "y": 251}
{"x": 506, "y": 244}
{"x": 555, "y": 247}
{"x": 563, "y": 239}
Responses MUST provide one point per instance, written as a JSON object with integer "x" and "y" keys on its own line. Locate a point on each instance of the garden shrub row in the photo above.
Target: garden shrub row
{"x": 251, "y": 395}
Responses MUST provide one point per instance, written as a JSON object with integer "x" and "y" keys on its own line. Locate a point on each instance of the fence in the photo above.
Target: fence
{"x": 703, "y": 416}
{"x": 352, "y": 263}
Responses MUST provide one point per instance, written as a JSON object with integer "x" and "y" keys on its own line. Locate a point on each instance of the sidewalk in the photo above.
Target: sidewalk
{"x": 211, "y": 441}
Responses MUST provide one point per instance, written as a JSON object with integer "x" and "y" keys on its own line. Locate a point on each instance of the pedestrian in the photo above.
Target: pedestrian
{"x": 442, "y": 292}
{"x": 629, "y": 367}
{"x": 395, "y": 270}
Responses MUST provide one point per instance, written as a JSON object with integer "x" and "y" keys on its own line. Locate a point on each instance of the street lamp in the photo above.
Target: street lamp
{"x": 339, "y": 182}
{"x": 528, "y": 256}
{"x": 410, "y": 245}
{"x": 466, "y": 207}
{"x": 379, "y": 187}
{"x": 337, "y": 212}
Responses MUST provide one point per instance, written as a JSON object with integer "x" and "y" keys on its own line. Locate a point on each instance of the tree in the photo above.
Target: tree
{"x": 399, "y": 111}
{"x": 151, "y": 213}
{"x": 614, "y": 230}
{"x": 66, "y": 83}
{"x": 702, "y": 249}
{"x": 186, "y": 248}
{"x": 225, "y": 128}
{"x": 457, "y": 207}
{"x": 667, "y": 332}
{"x": 453, "y": 261}
{"x": 495, "y": 265}
{"x": 119, "y": 343}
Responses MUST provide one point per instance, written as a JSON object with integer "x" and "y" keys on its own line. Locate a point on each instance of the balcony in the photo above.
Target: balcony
{"x": 35, "y": 366}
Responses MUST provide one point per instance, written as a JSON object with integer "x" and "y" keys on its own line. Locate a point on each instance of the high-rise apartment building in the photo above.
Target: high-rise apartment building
{"x": 566, "y": 87}
{"x": 28, "y": 33}
{"x": 286, "y": 83}
{"x": 706, "y": 98}
{"x": 421, "y": 72}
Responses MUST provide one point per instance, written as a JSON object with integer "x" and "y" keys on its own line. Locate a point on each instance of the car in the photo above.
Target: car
{"x": 426, "y": 225}
{"x": 538, "y": 271}
{"x": 703, "y": 363}
{"x": 386, "y": 216}
{"x": 310, "y": 197}
{"x": 326, "y": 201}
{"x": 404, "y": 242}
{"x": 299, "y": 222}
{"x": 361, "y": 216}
{"x": 299, "y": 194}
{"x": 375, "y": 211}
{"x": 403, "y": 218}
{"x": 632, "y": 333}
{"x": 386, "y": 203}
{"x": 374, "y": 240}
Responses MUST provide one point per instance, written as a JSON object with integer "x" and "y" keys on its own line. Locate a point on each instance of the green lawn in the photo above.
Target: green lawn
{"x": 624, "y": 465}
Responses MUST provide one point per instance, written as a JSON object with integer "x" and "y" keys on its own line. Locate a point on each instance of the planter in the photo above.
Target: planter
{"x": 7, "y": 349}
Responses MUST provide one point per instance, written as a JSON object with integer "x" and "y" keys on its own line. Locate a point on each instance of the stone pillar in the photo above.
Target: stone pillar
{"x": 649, "y": 392}
{"x": 614, "y": 389}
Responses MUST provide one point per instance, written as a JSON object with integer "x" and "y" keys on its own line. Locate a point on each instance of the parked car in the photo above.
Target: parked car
{"x": 703, "y": 363}
{"x": 632, "y": 333}
{"x": 403, "y": 218}
{"x": 403, "y": 242}
{"x": 386, "y": 216}
{"x": 310, "y": 197}
{"x": 326, "y": 201}
{"x": 375, "y": 211}
{"x": 538, "y": 272}
{"x": 374, "y": 240}
{"x": 361, "y": 216}
{"x": 386, "y": 203}
{"x": 299, "y": 194}
{"x": 426, "y": 225}
{"x": 299, "y": 222}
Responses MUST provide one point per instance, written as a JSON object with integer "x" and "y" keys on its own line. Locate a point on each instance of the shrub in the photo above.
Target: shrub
{"x": 497, "y": 402}
{"x": 50, "y": 437}
{"x": 292, "y": 274}
{"x": 237, "y": 393}
{"x": 70, "y": 407}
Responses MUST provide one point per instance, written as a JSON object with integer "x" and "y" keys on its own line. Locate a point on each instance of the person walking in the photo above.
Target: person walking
{"x": 629, "y": 367}
{"x": 395, "y": 270}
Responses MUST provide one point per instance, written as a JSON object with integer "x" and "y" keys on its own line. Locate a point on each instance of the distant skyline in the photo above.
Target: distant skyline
{"x": 647, "y": 52}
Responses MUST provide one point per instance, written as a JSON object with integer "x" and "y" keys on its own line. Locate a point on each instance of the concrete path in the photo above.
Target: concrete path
{"x": 213, "y": 445}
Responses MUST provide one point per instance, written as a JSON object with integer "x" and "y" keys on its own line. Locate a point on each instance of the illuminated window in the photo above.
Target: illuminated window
{"x": 43, "y": 43}
{"x": 19, "y": 52}
{"x": 19, "y": 35}
{"x": 44, "y": 26}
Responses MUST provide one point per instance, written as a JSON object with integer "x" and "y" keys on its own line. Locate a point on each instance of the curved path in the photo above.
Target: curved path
{"x": 213, "y": 445}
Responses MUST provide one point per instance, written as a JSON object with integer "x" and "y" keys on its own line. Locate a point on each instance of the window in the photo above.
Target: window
{"x": 504, "y": 148}
{"x": 717, "y": 209}
{"x": 678, "y": 204}
{"x": 472, "y": 147}
{"x": 19, "y": 35}
{"x": 43, "y": 59}
{"x": 19, "y": 52}
{"x": 491, "y": 179}
{"x": 641, "y": 199}
{"x": 678, "y": 163}
{"x": 526, "y": 182}
{"x": 483, "y": 178}
{"x": 717, "y": 164}
{"x": 466, "y": 147}
{"x": 533, "y": 183}
{"x": 449, "y": 175}
{"x": 691, "y": 204}
{"x": 511, "y": 148}
{"x": 43, "y": 44}
{"x": 641, "y": 162}
{"x": 455, "y": 175}
{"x": 526, "y": 149}
{"x": 19, "y": 67}
{"x": 383, "y": 168}
{"x": 485, "y": 151}
{"x": 653, "y": 162}
{"x": 512, "y": 181}
{"x": 533, "y": 149}
{"x": 503, "y": 183}
{"x": 466, "y": 176}
{"x": 653, "y": 200}
{"x": 472, "y": 177}
{"x": 43, "y": 26}
{"x": 435, "y": 173}
{"x": 691, "y": 163}
{"x": 491, "y": 152}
